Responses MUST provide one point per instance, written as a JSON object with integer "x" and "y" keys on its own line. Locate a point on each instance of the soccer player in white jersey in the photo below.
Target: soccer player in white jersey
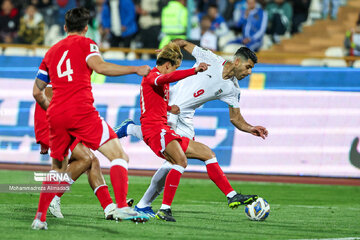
{"x": 220, "y": 82}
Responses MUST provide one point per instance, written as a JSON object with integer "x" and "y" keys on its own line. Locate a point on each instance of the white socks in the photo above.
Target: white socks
{"x": 134, "y": 130}
{"x": 156, "y": 186}
{"x": 231, "y": 194}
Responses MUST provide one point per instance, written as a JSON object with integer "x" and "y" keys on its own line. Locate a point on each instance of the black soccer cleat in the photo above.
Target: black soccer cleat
{"x": 130, "y": 202}
{"x": 165, "y": 215}
{"x": 240, "y": 199}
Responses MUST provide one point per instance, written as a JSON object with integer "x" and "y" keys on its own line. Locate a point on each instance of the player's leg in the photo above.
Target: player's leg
{"x": 128, "y": 127}
{"x": 98, "y": 184}
{"x": 113, "y": 150}
{"x": 174, "y": 154}
{"x": 204, "y": 153}
{"x": 46, "y": 196}
{"x": 154, "y": 190}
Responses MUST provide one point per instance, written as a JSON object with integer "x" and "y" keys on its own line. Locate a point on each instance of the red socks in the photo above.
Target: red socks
{"x": 171, "y": 184}
{"x": 44, "y": 201}
{"x": 119, "y": 181}
{"x": 217, "y": 176}
{"x": 102, "y": 193}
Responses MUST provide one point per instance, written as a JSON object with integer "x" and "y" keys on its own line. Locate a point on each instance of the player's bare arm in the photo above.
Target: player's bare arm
{"x": 97, "y": 64}
{"x": 239, "y": 122}
{"x": 39, "y": 93}
{"x": 187, "y": 46}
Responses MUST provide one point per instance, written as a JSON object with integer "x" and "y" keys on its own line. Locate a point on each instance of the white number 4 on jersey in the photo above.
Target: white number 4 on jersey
{"x": 68, "y": 70}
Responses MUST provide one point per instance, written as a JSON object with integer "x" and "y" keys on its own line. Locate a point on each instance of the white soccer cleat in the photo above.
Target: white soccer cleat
{"x": 54, "y": 207}
{"x": 39, "y": 225}
{"x": 128, "y": 213}
{"x": 109, "y": 211}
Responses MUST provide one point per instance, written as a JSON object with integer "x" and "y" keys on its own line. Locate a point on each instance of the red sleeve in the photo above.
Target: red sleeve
{"x": 174, "y": 76}
{"x": 168, "y": 108}
{"x": 90, "y": 48}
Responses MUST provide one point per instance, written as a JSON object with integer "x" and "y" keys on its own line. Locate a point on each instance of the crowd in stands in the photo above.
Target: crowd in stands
{"x": 153, "y": 23}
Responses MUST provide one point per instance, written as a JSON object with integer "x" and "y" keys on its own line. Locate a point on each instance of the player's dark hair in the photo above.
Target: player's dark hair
{"x": 77, "y": 19}
{"x": 245, "y": 53}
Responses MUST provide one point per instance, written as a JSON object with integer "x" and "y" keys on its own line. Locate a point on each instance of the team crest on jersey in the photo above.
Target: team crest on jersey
{"x": 218, "y": 92}
{"x": 94, "y": 48}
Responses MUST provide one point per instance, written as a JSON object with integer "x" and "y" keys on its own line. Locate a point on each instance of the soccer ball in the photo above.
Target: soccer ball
{"x": 258, "y": 210}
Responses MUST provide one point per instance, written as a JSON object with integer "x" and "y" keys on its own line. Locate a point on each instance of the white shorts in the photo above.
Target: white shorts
{"x": 182, "y": 123}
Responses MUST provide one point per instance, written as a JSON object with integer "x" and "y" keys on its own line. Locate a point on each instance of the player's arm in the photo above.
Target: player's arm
{"x": 97, "y": 64}
{"x": 39, "y": 93}
{"x": 187, "y": 46}
{"x": 179, "y": 74}
{"x": 239, "y": 122}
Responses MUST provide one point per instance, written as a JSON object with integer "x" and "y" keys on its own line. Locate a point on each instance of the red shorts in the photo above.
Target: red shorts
{"x": 157, "y": 138}
{"x": 41, "y": 126}
{"x": 89, "y": 128}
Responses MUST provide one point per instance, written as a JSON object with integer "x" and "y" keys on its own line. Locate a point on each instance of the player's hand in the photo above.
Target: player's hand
{"x": 143, "y": 70}
{"x": 202, "y": 67}
{"x": 259, "y": 131}
{"x": 175, "y": 109}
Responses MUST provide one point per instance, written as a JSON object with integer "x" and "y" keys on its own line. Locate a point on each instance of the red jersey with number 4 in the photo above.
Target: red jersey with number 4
{"x": 65, "y": 64}
{"x": 154, "y": 95}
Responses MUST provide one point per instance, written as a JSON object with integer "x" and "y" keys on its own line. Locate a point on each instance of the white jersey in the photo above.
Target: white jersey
{"x": 194, "y": 91}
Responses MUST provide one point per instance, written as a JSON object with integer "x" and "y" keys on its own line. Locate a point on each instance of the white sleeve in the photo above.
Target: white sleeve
{"x": 205, "y": 55}
{"x": 232, "y": 98}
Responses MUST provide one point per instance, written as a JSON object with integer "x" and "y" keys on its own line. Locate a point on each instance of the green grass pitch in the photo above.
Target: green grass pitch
{"x": 298, "y": 211}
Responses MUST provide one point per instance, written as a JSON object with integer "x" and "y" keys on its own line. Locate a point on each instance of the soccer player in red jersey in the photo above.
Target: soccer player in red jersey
{"x": 154, "y": 97}
{"x": 71, "y": 113}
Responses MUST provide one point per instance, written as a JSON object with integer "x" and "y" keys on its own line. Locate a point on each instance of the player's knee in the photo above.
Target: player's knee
{"x": 208, "y": 153}
{"x": 182, "y": 161}
{"x": 89, "y": 158}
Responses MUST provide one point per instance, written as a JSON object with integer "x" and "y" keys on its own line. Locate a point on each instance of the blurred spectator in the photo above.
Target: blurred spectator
{"x": 334, "y": 8}
{"x": 218, "y": 24}
{"x": 95, "y": 8}
{"x": 149, "y": 12}
{"x": 208, "y": 38}
{"x": 39, "y": 4}
{"x": 62, "y": 7}
{"x": 252, "y": 22}
{"x": 46, "y": 8}
{"x": 352, "y": 40}
{"x": 119, "y": 20}
{"x": 174, "y": 19}
{"x": 9, "y": 22}
{"x": 301, "y": 12}
{"x": 280, "y": 14}
{"x": 228, "y": 14}
{"x": 31, "y": 27}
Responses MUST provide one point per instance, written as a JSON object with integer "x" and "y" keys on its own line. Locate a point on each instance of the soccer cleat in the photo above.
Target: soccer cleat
{"x": 55, "y": 209}
{"x": 165, "y": 215}
{"x": 127, "y": 213}
{"x": 146, "y": 210}
{"x": 109, "y": 214}
{"x": 240, "y": 199}
{"x": 130, "y": 202}
{"x": 39, "y": 225}
{"x": 121, "y": 130}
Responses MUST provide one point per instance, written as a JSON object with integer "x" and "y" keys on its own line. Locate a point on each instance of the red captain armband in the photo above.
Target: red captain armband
{"x": 168, "y": 108}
